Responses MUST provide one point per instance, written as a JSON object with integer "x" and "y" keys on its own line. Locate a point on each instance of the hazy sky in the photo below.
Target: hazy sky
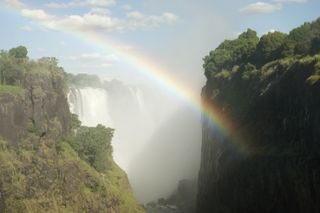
{"x": 175, "y": 34}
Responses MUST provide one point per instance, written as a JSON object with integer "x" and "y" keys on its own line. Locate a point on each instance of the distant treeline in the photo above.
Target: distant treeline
{"x": 83, "y": 80}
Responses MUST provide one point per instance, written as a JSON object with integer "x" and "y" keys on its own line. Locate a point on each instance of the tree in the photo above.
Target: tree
{"x": 93, "y": 145}
{"x": 268, "y": 48}
{"x": 231, "y": 52}
{"x": 19, "y": 52}
{"x": 315, "y": 45}
{"x": 50, "y": 61}
{"x": 301, "y": 39}
{"x": 75, "y": 122}
{"x": 11, "y": 72}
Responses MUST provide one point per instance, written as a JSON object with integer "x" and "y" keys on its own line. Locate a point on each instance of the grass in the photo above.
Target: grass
{"x": 11, "y": 89}
{"x": 313, "y": 79}
{"x": 94, "y": 189}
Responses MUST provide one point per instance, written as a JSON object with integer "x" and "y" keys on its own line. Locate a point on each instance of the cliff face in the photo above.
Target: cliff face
{"x": 269, "y": 159}
{"x": 39, "y": 107}
{"x": 40, "y": 170}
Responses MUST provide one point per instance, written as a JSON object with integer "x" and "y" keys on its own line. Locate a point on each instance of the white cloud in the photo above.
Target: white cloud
{"x": 15, "y": 3}
{"x": 91, "y": 22}
{"x": 81, "y": 3}
{"x": 261, "y": 7}
{"x": 291, "y": 1}
{"x": 264, "y": 7}
{"x": 37, "y": 15}
{"x": 99, "y": 20}
{"x": 137, "y": 19}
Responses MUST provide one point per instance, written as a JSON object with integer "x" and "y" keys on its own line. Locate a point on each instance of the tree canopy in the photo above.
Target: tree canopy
{"x": 248, "y": 48}
{"x": 268, "y": 47}
{"x": 19, "y": 52}
{"x": 93, "y": 144}
{"x": 231, "y": 52}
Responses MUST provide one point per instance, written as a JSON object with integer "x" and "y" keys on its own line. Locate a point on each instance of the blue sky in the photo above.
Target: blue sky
{"x": 173, "y": 33}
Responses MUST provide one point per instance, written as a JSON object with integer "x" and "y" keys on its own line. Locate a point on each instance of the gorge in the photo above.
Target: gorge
{"x": 80, "y": 143}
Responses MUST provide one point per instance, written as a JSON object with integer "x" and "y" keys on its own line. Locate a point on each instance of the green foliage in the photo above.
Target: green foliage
{"x": 93, "y": 144}
{"x": 268, "y": 47}
{"x": 313, "y": 79}
{"x": 275, "y": 46}
{"x": 11, "y": 89}
{"x": 51, "y": 61}
{"x": 302, "y": 40}
{"x": 11, "y": 70}
{"x": 3, "y": 145}
{"x": 19, "y": 52}
{"x": 75, "y": 122}
{"x": 231, "y": 52}
{"x": 224, "y": 74}
{"x": 46, "y": 181}
{"x": 315, "y": 45}
{"x": 16, "y": 69}
{"x": 250, "y": 71}
{"x": 83, "y": 80}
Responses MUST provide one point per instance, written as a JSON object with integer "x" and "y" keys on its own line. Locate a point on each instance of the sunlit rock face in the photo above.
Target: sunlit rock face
{"x": 269, "y": 160}
{"x": 41, "y": 105}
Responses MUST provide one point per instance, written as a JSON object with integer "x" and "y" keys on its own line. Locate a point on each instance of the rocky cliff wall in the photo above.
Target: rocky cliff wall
{"x": 269, "y": 161}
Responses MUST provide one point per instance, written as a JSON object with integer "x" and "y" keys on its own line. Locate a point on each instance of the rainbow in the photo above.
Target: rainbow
{"x": 158, "y": 75}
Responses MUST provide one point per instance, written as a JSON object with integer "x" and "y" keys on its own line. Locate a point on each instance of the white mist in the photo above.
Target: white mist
{"x": 156, "y": 141}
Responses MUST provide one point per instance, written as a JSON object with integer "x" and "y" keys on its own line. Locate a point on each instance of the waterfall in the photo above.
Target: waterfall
{"x": 137, "y": 93}
{"x": 90, "y": 104}
{"x": 117, "y": 106}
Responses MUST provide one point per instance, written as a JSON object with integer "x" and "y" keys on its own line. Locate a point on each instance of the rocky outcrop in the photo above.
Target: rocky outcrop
{"x": 13, "y": 116}
{"x": 268, "y": 159}
{"x": 40, "y": 108}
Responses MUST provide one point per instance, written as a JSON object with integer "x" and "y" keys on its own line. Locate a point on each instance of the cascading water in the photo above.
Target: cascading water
{"x": 90, "y": 104}
{"x": 117, "y": 106}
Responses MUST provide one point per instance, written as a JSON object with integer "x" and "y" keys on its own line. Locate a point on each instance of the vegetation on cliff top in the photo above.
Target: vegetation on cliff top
{"x": 250, "y": 53}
